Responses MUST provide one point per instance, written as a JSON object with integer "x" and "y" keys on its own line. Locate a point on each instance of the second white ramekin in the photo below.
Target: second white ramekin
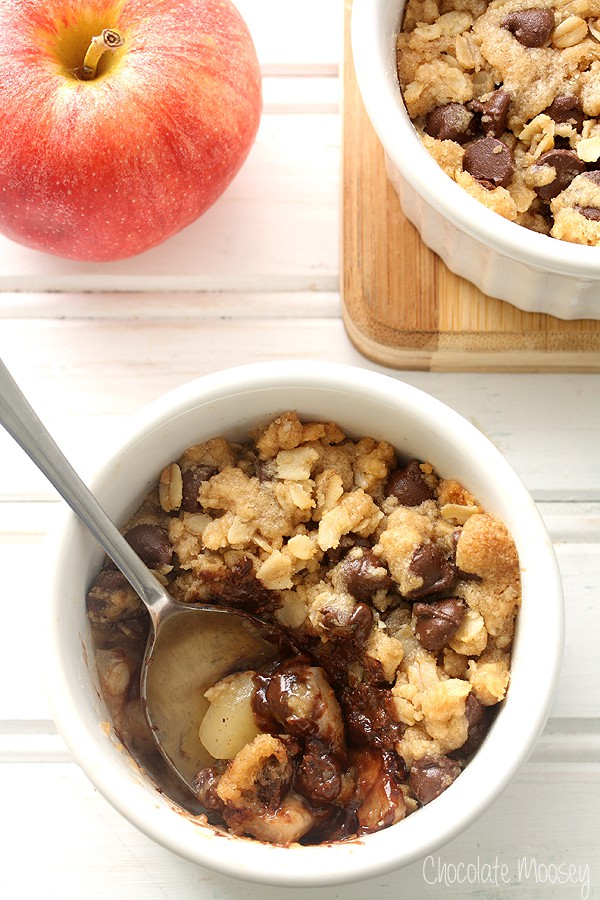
{"x": 532, "y": 271}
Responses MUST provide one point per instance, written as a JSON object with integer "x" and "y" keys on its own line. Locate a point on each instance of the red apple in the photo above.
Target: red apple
{"x": 104, "y": 160}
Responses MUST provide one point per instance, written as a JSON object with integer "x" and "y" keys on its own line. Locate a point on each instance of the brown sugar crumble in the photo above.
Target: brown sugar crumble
{"x": 506, "y": 98}
{"x": 399, "y": 591}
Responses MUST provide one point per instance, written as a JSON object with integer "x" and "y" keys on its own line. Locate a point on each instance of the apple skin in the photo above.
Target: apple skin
{"x": 107, "y": 168}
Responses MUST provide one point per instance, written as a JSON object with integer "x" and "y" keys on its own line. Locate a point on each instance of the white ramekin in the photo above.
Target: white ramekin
{"x": 532, "y": 271}
{"x": 364, "y": 403}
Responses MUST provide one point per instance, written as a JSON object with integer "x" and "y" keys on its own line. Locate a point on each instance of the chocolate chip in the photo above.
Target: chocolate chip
{"x": 567, "y": 110}
{"x": 437, "y": 622}
{"x": 494, "y": 112}
{"x": 474, "y": 711}
{"x": 589, "y": 212}
{"x": 430, "y": 563}
{"x": 567, "y": 166}
{"x": 110, "y": 580}
{"x": 265, "y": 470}
{"x": 347, "y": 542}
{"x": 151, "y": 543}
{"x": 450, "y": 122}
{"x": 370, "y": 716}
{"x": 241, "y": 587}
{"x": 479, "y": 718}
{"x": 192, "y": 479}
{"x": 355, "y": 628}
{"x": 490, "y": 160}
{"x": 206, "y": 783}
{"x": 318, "y": 776}
{"x": 430, "y": 776}
{"x": 361, "y": 622}
{"x": 531, "y": 27}
{"x": 296, "y": 698}
{"x": 362, "y": 576}
{"x": 409, "y": 485}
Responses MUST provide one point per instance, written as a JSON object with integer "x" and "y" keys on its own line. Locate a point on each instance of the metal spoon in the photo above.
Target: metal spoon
{"x": 190, "y": 647}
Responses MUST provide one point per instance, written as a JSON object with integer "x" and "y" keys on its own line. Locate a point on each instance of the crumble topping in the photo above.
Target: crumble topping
{"x": 399, "y": 591}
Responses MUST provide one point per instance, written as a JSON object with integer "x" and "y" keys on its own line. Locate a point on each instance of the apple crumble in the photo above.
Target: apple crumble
{"x": 397, "y": 590}
{"x": 506, "y": 98}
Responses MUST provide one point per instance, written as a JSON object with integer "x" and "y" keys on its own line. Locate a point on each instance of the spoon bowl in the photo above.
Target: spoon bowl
{"x": 190, "y": 647}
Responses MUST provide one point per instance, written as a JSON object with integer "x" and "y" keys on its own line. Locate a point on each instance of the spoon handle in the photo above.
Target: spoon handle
{"x": 22, "y": 423}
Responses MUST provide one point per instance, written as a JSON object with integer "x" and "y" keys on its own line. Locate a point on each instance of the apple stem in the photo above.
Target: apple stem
{"x": 110, "y": 39}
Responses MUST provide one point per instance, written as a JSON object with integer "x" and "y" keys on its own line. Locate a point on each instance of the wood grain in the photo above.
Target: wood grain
{"x": 402, "y": 307}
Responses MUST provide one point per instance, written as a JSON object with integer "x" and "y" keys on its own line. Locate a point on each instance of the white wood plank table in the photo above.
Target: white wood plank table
{"x": 257, "y": 278}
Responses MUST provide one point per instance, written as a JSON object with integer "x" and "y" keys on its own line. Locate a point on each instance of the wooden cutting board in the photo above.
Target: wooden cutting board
{"x": 402, "y": 307}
